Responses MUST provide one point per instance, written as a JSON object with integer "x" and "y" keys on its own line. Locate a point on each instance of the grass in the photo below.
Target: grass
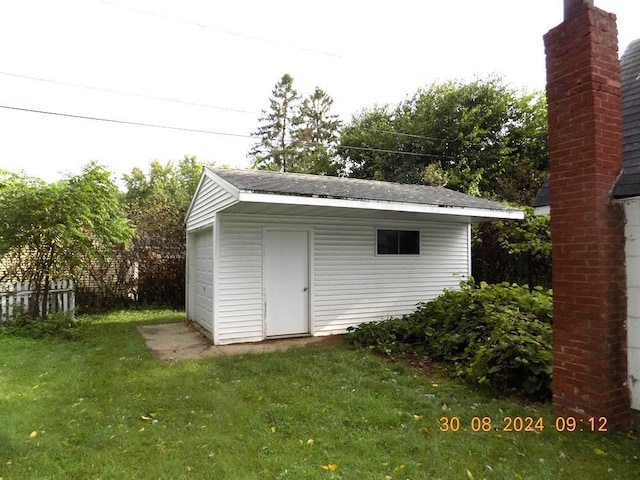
{"x": 101, "y": 407}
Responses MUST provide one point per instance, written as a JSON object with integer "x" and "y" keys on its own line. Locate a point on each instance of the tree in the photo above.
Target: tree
{"x": 317, "y": 135}
{"x": 277, "y": 146}
{"x": 156, "y": 203}
{"x": 55, "y": 230}
{"x": 297, "y": 135}
{"x": 482, "y": 137}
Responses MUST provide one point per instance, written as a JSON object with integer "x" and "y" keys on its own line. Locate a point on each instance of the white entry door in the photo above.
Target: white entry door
{"x": 287, "y": 282}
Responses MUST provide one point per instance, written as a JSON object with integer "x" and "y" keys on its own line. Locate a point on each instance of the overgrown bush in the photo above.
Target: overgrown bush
{"x": 497, "y": 335}
{"x": 517, "y": 252}
{"x": 58, "y": 326}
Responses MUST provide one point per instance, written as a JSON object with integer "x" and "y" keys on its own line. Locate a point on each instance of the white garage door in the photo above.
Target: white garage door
{"x": 203, "y": 247}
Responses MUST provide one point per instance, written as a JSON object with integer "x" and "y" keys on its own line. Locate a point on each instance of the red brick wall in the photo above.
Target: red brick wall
{"x": 587, "y": 228}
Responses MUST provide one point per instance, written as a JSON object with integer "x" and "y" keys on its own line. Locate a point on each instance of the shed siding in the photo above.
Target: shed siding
{"x": 632, "y": 233}
{"x": 202, "y": 287}
{"x": 350, "y": 283}
{"x": 239, "y": 286}
{"x": 210, "y": 199}
{"x": 353, "y": 285}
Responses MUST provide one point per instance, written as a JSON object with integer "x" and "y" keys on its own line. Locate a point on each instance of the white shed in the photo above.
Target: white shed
{"x": 279, "y": 254}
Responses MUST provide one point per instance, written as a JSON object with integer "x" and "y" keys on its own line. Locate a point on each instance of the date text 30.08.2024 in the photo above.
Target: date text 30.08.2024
{"x": 524, "y": 424}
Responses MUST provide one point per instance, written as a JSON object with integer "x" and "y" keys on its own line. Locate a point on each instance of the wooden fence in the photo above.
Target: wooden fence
{"x": 16, "y": 297}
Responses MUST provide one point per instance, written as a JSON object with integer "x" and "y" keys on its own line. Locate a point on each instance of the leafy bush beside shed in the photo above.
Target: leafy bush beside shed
{"x": 497, "y": 335}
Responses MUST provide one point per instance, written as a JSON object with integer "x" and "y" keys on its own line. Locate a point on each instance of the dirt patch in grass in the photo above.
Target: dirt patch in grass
{"x": 425, "y": 365}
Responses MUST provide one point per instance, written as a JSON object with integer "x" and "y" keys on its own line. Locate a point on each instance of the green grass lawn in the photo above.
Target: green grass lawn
{"x": 101, "y": 407}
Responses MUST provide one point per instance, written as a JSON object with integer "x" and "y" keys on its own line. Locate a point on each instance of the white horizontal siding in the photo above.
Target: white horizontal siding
{"x": 210, "y": 198}
{"x": 632, "y": 253}
{"x": 353, "y": 285}
{"x": 349, "y": 285}
{"x": 240, "y": 313}
{"x": 202, "y": 285}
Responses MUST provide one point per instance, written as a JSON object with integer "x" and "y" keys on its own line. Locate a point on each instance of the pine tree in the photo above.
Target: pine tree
{"x": 317, "y": 135}
{"x": 277, "y": 147}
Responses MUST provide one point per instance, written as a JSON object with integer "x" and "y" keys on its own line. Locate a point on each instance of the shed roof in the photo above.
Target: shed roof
{"x": 371, "y": 192}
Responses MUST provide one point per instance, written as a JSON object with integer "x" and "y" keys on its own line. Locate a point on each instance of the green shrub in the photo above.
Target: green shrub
{"x": 59, "y": 325}
{"x": 497, "y": 335}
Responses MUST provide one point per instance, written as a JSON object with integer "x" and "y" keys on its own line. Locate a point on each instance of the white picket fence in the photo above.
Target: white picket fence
{"x": 15, "y": 298}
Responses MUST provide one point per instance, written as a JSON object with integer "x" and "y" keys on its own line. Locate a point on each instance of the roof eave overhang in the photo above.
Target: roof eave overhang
{"x": 477, "y": 214}
{"x": 542, "y": 210}
{"x": 628, "y": 198}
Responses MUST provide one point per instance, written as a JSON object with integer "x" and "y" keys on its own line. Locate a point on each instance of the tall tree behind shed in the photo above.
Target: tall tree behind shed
{"x": 317, "y": 135}
{"x": 156, "y": 203}
{"x": 480, "y": 137}
{"x": 277, "y": 146}
{"x": 297, "y": 135}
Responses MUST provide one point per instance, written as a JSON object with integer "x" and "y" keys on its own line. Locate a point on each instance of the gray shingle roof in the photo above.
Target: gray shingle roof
{"x": 628, "y": 184}
{"x": 260, "y": 181}
{"x": 542, "y": 198}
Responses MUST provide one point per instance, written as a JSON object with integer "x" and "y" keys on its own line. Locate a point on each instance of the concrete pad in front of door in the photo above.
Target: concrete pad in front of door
{"x": 182, "y": 341}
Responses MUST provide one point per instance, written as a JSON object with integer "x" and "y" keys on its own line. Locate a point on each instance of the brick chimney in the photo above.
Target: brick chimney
{"x": 587, "y": 228}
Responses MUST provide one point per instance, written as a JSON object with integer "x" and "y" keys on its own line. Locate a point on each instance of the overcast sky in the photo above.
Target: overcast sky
{"x": 211, "y": 66}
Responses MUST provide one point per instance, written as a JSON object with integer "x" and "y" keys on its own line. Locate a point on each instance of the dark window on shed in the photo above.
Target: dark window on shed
{"x": 398, "y": 242}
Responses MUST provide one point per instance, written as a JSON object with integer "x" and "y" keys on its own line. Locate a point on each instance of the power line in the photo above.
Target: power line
{"x": 381, "y": 150}
{"x": 196, "y": 104}
{"x": 226, "y": 32}
{"x": 126, "y": 122}
{"x": 184, "y": 102}
{"x": 132, "y": 94}
{"x": 411, "y": 135}
{"x": 210, "y": 132}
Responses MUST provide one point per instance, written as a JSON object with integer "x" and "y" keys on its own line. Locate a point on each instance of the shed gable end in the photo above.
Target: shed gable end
{"x": 210, "y": 198}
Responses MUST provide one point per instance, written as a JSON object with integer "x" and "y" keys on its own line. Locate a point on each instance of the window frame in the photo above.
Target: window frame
{"x": 399, "y": 252}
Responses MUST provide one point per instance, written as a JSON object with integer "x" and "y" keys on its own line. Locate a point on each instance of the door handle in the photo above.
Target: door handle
{"x": 305, "y": 289}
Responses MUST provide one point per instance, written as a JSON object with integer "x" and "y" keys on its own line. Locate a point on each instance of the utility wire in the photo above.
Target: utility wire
{"x": 196, "y": 104}
{"x": 195, "y": 130}
{"x": 131, "y": 94}
{"x": 381, "y": 150}
{"x": 126, "y": 122}
{"x": 226, "y": 32}
{"x": 400, "y": 134}
{"x": 184, "y": 102}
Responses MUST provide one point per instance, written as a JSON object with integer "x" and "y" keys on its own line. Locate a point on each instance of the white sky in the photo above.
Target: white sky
{"x": 230, "y": 54}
